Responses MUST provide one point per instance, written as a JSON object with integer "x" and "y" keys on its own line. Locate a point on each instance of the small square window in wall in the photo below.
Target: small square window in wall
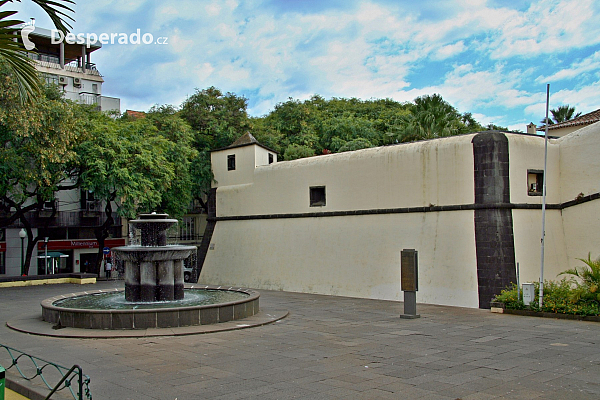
{"x": 317, "y": 196}
{"x": 270, "y": 158}
{"x": 535, "y": 182}
{"x": 231, "y": 162}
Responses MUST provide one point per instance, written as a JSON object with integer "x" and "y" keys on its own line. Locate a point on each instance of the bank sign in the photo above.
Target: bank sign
{"x": 80, "y": 244}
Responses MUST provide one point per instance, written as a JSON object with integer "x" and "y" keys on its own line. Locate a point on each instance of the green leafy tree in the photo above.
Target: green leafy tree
{"x": 326, "y": 125}
{"x": 217, "y": 120}
{"x": 295, "y": 151}
{"x": 133, "y": 164}
{"x": 355, "y": 144}
{"x": 336, "y": 132}
{"x": 341, "y": 124}
{"x": 180, "y": 154}
{"x": 266, "y": 134}
{"x": 37, "y": 139}
{"x": 14, "y": 54}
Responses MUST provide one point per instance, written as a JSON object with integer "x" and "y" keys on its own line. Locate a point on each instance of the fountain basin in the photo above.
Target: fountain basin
{"x": 145, "y": 318}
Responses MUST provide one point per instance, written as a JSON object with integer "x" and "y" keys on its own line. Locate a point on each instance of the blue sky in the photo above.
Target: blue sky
{"x": 490, "y": 58}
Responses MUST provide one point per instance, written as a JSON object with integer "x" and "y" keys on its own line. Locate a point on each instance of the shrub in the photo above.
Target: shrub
{"x": 588, "y": 279}
{"x": 559, "y": 297}
{"x": 509, "y": 298}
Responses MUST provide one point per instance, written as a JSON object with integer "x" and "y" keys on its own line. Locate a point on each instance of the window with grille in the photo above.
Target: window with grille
{"x": 231, "y": 162}
{"x": 187, "y": 228}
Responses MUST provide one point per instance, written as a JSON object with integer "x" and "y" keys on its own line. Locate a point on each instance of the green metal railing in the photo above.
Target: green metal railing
{"x": 68, "y": 379}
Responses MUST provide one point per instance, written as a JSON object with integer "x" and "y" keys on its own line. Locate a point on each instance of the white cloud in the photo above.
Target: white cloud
{"x": 547, "y": 27}
{"x": 585, "y": 99}
{"x": 589, "y": 64}
{"x": 466, "y": 86}
{"x": 450, "y": 50}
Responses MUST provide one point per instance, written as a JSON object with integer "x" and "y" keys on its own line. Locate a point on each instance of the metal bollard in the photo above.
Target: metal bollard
{"x": 409, "y": 281}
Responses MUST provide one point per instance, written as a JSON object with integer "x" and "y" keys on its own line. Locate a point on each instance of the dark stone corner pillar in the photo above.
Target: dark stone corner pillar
{"x": 494, "y": 238}
{"x": 208, "y": 231}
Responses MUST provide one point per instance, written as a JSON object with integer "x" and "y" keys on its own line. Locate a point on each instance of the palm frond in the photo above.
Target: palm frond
{"x": 58, "y": 11}
{"x": 589, "y": 274}
{"x": 14, "y": 54}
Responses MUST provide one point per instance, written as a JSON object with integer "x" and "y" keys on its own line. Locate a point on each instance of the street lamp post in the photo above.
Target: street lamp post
{"x": 22, "y": 235}
{"x": 46, "y": 255}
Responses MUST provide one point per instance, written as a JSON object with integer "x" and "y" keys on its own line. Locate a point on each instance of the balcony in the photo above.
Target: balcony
{"x": 82, "y": 218}
{"x": 52, "y": 61}
{"x": 102, "y": 103}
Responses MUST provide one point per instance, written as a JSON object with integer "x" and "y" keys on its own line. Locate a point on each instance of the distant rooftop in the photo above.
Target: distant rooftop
{"x": 135, "y": 114}
{"x": 585, "y": 119}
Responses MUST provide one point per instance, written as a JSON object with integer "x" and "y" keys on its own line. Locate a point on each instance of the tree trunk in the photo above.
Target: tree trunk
{"x": 29, "y": 252}
{"x": 102, "y": 232}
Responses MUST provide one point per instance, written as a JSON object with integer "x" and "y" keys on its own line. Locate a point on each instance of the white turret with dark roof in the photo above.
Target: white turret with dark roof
{"x": 235, "y": 164}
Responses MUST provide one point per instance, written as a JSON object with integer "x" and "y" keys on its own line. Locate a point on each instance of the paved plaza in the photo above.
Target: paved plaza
{"x": 330, "y": 348}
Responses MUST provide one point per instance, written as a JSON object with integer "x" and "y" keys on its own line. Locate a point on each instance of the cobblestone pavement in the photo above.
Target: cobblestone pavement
{"x": 331, "y": 348}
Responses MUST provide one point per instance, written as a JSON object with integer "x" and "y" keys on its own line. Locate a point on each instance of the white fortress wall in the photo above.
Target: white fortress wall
{"x": 351, "y": 255}
{"x": 527, "y": 153}
{"x": 580, "y": 178}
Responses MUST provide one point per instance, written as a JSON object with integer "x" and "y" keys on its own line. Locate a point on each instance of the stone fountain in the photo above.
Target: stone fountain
{"x": 153, "y": 270}
{"x": 154, "y": 290}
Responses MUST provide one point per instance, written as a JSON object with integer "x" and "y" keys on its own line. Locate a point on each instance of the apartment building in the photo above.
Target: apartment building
{"x": 70, "y": 66}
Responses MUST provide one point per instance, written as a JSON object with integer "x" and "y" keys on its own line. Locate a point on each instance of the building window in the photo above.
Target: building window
{"x": 51, "y": 79}
{"x": 2, "y": 264}
{"x": 270, "y": 158}
{"x": 231, "y": 162}
{"x": 50, "y": 205}
{"x": 535, "y": 182}
{"x": 317, "y": 196}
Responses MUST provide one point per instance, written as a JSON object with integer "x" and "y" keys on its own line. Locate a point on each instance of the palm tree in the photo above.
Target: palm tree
{"x": 431, "y": 117}
{"x": 564, "y": 113}
{"x": 561, "y": 114}
{"x": 12, "y": 52}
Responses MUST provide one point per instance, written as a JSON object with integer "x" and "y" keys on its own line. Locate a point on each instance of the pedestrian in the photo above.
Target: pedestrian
{"x": 108, "y": 269}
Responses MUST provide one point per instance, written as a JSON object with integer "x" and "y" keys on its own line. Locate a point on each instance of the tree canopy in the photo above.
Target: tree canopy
{"x": 37, "y": 150}
{"x": 139, "y": 165}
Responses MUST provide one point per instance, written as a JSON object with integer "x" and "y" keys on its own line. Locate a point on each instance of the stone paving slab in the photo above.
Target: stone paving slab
{"x": 331, "y": 348}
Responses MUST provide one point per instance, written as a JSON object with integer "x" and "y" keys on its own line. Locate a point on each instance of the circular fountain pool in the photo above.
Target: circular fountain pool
{"x": 108, "y": 309}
